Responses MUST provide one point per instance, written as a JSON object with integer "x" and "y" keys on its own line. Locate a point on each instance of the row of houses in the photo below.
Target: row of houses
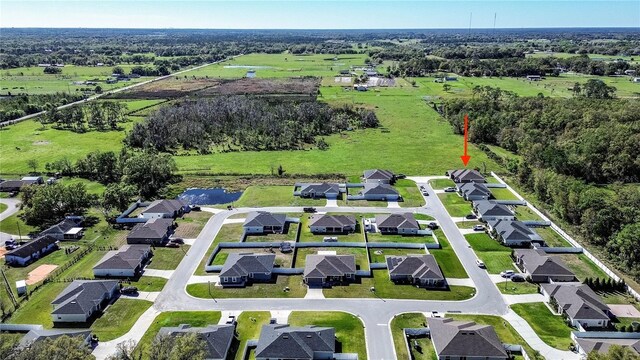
{"x": 376, "y": 185}
{"x": 394, "y": 224}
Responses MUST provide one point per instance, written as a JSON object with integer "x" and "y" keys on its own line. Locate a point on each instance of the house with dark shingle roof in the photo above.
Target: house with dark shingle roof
{"x": 594, "y": 342}
{"x": 37, "y": 335}
{"x": 377, "y": 192}
{"x": 165, "y": 208}
{"x": 68, "y": 229}
{"x": 512, "y": 232}
{"x": 242, "y": 268}
{"x": 327, "y": 270}
{"x": 474, "y": 191}
{"x": 487, "y": 210}
{"x": 466, "y": 175}
{"x": 83, "y": 299}
{"x": 11, "y": 185}
{"x": 465, "y": 340}
{"x": 300, "y": 343}
{"x": 321, "y": 190}
{"x": 31, "y": 251}
{"x": 402, "y": 224}
{"x": 128, "y": 261}
{"x": 217, "y": 338}
{"x": 262, "y": 222}
{"x": 582, "y": 305}
{"x": 332, "y": 224}
{"x": 421, "y": 270}
{"x": 155, "y": 231}
{"x": 378, "y": 176}
{"x": 542, "y": 267}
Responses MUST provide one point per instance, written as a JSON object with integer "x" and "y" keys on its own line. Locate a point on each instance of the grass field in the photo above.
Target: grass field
{"x": 496, "y": 257}
{"x": 168, "y": 258}
{"x": 119, "y": 318}
{"x": 307, "y": 236}
{"x": 447, "y": 258}
{"x": 349, "y": 329}
{"x": 411, "y": 320}
{"x": 551, "y": 328}
{"x": 176, "y": 318}
{"x": 582, "y": 266}
{"x": 503, "y": 194}
{"x": 410, "y": 193}
{"x": 439, "y": 184}
{"x": 265, "y": 195}
{"x": 249, "y": 326}
{"x": 456, "y": 206}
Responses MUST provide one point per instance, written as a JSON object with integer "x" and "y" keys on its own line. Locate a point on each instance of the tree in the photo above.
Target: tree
{"x": 149, "y": 172}
{"x": 577, "y": 89}
{"x": 118, "y": 70}
{"x": 446, "y": 87}
{"x": 63, "y": 347}
{"x": 118, "y": 197}
{"x": 597, "y": 89}
{"x": 616, "y": 352}
{"x": 98, "y": 89}
{"x": 189, "y": 346}
{"x": 46, "y": 205}
{"x": 33, "y": 165}
{"x": 52, "y": 70}
{"x": 624, "y": 245}
{"x": 126, "y": 350}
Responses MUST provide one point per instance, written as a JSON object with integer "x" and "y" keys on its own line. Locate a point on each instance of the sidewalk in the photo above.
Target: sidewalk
{"x": 107, "y": 348}
{"x": 524, "y": 298}
{"x": 158, "y": 273}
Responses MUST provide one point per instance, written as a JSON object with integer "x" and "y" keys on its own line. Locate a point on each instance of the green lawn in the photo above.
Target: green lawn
{"x": 297, "y": 289}
{"x": 524, "y": 213}
{"x": 411, "y": 320}
{"x": 469, "y": 224}
{"x": 362, "y": 263}
{"x": 509, "y": 287}
{"x": 410, "y": 193}
{"x": 149, "y": 283}
{"x": 349, "y": 329}
{"x": 378, "y": 255}
{"x": 307, "y": 236}
{"x": 503, "y": 194}
{"x": 282, "y": 259}
{"x": 176, "y": 318}
{"x": 249, "y": 327}
{"x": 268, "y": 195}
{"x": 582, "y": 266}
{"x": 416, "y": 239}
{"x": 447, "y": 258}
{"x": 618, "y": 298}
{"x": 291, "y": 231}
{"x": 439, "y": 184}
{"x": 190, "y": 225}
{"x": 423, "y": 217}
{"x": 551, "y": 237}
{"x": 227, "y": 233}
{"x": 119, "y": 318}
{"x": 455, "y": 204}
{"x": 3, "y": 207}
{"x": 386, "y": 289}
{"x": 550, "y": 328}
{"x": 15, "y": 226}
{"x": 168, "y": 258}
{"x": 496, "y": 257}
{"x": 37, "y": 310}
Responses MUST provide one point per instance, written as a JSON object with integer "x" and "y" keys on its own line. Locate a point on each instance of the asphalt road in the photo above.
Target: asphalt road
{"x": 12, "y": 208}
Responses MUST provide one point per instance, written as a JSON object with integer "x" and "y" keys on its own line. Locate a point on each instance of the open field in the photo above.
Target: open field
{"x": 496, "y": 257}
{"x": 411, "y": 320}
{"x": 551, "y": 328}
{"x": 582, "y": 266}
{"x": 349, "y": 329}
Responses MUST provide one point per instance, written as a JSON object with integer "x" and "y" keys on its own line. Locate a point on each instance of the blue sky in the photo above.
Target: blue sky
{"x": 308, "y": 14}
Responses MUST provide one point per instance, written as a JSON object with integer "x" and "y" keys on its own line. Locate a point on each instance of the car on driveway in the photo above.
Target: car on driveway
{"x": 450, "y": 189}
{"x": 507, "y": 274}
{"x": 478, "y": 227}
{"x": 177, "y": 241}
{"x": 432, "y": 226}
{"x": 518, "y": 278}
{"x": 309, "y": 209}
{"x": 470, "y": 217}
{"x": 480, "y": 264}
{"x": 129, "y": 290}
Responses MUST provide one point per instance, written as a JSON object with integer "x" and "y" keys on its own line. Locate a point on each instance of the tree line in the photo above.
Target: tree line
{"x": 17, "y": 106}
{"x": 579, "y": 156}
{"x": 104, "y": 115}
{"x": 234, "y": 123}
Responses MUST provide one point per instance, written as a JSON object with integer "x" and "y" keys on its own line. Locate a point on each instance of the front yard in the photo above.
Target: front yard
{"x": 362, "y": 263}
{"x": 411, "y": 195}
{"x": 190, "y": 225}
{"x": 439, "y": 184}
{"x": 274, "y": 289}
{"x": 496, "y": 257}
{"x": 447, "y": 258}
{"x": 379, "y": 255}
{"x": 165, "y": 258}
{"x": 509, "y": 287}
{"x": 119, "y": 318}
{"x": 550, "y": 328}
{"x": 456, "y": 206}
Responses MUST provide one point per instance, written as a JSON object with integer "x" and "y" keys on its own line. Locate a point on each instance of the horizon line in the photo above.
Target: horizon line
{"x": 323, "y": 29}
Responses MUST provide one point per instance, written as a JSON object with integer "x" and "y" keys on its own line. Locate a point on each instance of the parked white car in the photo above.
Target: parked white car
{"x": 507, "y": 274}
{"x": 480, "y": 264}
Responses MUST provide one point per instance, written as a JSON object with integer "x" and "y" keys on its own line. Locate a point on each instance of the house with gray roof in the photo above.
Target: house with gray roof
{"x": 300, "y": 343}
{"x": 262, "y": 222}
{"x": 474, "y": 191}
{"x": 487, "y": 210}
{"x": 327, "y": 270}
{"x": 217, "y": 338}
{"x": 319, "y": 190}
{"x": 513, "y": 232}
{"x": 31, "y": 251}
{"x": 466, "y": 175}
{"x": 541, "y": 267}
{"x": 242, "y": 268}
{"x": 155, "y": 231}
{"x": 32, "y": 180}
{"x": 11, "y": 185}
{"x": 401, "y": 224}
{"x": 68, "y": 229}
{"x": 165, "y": 208}
{"x": 601, "y": 342}
{"x": 332, "y": 224}
{"x": 377, "y": 176}
{"x": 36, "y": 335}
{"x": 457, "y": 340}
{"x": 583, "y": 306}
{"x": 82, "y": 299}
{"x": 376, "y": 192}
{"x": 421, "y": 270}
{"x": 128, "y": 261}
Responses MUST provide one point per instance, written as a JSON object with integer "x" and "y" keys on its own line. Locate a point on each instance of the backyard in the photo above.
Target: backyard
{"x": 550, "y": 327}
{"x": 273, "y": 289}
{"x": 411, "y": 320}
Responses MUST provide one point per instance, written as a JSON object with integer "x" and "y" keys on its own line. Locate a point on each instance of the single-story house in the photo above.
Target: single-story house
{"x": 165, "y": 208}
{"x": 326, "y": 270}
{"x": 11, "y": 185}
{"x": 488, "y": 210}
{"x": 262, "y": 222}
{"x": 321, "y": 190}
{"x": 378, "y": 176}
{"x": 128, "y": 261}
{"x": 512, "y": 232}
{"x": 34, "y": 336}
{"x": 32, "y": 180}
{"x": 602, "y": 343}
{"x": 301, "y": 343}
{"x": 421, "y": 270}
{"x": 402, "y": 224}
{"x": 324, "y": 224}
{"x": 465, "y": 176}
{"x": 217, "y": 338}
{"x": 155, "y": 231}
{"x": 474, "y": 191}
{"x": 31, "y": 251}
{"x": 242, "y": 268}
{"x": 541, "y": 267}
{"x": 68, "y": 229}
{"x": 82, "y": 299}
{"x": 373, "y": 191}
{"x": 457, "y": 340}
{"x": 534, "y": 77}
{"x": 582, "y": 305}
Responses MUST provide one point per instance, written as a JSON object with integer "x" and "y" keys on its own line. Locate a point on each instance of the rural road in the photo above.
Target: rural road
{"x": 13, "y": 206}
{"x": 110, "y": 92}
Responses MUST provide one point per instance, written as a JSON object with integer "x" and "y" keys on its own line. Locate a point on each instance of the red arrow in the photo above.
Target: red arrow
{"x": 465, "y": 158}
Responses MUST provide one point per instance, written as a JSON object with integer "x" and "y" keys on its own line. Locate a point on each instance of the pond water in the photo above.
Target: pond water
{"x": 210, "y": 196}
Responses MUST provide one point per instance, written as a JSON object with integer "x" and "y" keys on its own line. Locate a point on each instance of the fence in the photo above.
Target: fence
{"x": 19, "y": 327}
{"x": 415, "y": 332}
{"x": 563, "y": 250}
{"x": 571, "y": 240}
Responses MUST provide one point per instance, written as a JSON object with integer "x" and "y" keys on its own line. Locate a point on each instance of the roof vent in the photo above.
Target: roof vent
{"x": 285, "y": 336}
{"x": 308, "y": 336}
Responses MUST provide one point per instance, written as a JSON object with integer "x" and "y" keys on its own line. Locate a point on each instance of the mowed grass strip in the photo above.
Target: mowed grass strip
{"x": 447, "y": 258}
{"x": 349, "y": 329}
{"x": 411, "y": 321}
{"x": 550, "y": 328}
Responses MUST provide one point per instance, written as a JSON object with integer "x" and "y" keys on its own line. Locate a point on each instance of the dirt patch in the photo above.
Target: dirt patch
{"x": 307, "y": 86}
{"x": 170, "y": 88}
{"x": 40, "y": 273}
{"x": 621, "y": 310}
{"x": 41, "y": 142}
